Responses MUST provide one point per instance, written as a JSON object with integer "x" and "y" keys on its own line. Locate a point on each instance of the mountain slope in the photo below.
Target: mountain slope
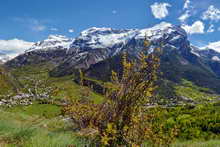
{"x": 179, "y": 61}
{"x": 97, "y": 51}
{"x": 52, "y": 50}
{"x": 97, "y": 44}
{"x": 8, "y": 84}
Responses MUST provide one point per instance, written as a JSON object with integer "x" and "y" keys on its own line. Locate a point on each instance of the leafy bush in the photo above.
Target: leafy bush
{"x": 122, "y": 119}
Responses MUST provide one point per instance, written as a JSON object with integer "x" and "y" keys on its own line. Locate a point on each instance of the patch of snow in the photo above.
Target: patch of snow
{"x": 176, "y": 38}
{"x": 195, "y": 51}
{"x": 215, "y": 58}
{"x": 158, "y": 31}
{"x": 105, "y": 37}
{"x": 52, "y": 42}
{"x": 108, "y": 38}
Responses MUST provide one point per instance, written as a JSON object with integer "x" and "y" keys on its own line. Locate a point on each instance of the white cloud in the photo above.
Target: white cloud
{"x": 160, "y": 10}
{"x": 38, "y": 28}
{"x": 213, "y": 45}
{"x": 186, "y": 4}
{"x": 36, "y": 25}
{"x": 196, "y": 28}
{"x": 184, "y": 16}
{"x": 54, "y": 29}
{"x": 32, "y": 23}
{"x": 14, "y": 47}
{"x": 71, "y": 30}
{"x": 188, "y": 10}
{"x": 212, "y": 14}
{"x": 114, "y": 12}
{"x": 211, "y": 29}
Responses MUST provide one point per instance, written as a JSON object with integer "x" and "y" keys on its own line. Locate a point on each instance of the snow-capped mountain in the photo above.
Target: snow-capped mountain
{"x": 97, "y": 44}
{"x": 96, "y": 48}
{"x": 113, "y": 41}
{"x": 53, "y": 50}
{"x": 53, "y": 42}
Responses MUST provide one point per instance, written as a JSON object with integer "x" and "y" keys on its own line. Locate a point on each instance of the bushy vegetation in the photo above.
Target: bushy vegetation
{"x": 192, "y": 122}
{"x": 121, "y": 119}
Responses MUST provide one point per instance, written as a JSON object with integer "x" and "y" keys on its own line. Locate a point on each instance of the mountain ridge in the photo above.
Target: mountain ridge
{"x": 94, "y": 45}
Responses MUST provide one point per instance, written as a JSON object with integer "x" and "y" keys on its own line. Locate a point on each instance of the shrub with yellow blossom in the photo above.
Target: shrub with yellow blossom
{"x": 123, "y": 119}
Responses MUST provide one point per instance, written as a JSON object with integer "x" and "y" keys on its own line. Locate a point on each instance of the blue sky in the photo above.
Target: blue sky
{"x": 34, "y": 20}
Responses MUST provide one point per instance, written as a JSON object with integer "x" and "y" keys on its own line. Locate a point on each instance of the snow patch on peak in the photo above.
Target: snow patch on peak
{"x": 195, "y": 52}
{"x": 114, "y": 39}
{"x": 161, "y": 26}
{"x": 103, "y": 37}
{"x": 159, "y": 30}
{"x": 94, "y": 30}
{"x": 57, "y": 37}
{"x": 52, "y": 42}
{"x": 102, "y": 31}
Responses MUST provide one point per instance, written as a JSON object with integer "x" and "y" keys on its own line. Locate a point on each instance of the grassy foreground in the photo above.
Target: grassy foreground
{"x": 19, "y": 129}
{"x": 210, "y": 143}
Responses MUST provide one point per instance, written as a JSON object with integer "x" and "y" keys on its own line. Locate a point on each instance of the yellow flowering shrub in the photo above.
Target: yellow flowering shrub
{"x": 122, "y": 119}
